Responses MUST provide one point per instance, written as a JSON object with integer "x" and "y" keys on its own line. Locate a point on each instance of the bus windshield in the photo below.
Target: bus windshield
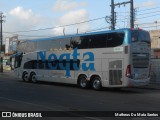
{"x": 140, "y": 36}
{"x": 16, "y": 60}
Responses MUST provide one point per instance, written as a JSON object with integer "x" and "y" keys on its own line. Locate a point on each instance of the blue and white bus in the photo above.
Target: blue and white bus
{"x": 115, "y": 59}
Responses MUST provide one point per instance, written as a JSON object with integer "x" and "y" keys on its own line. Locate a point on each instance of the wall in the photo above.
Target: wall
{"x": 155, "y": 71}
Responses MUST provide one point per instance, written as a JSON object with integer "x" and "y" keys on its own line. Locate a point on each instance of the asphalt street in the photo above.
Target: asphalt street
{"x": 16, "y": 95}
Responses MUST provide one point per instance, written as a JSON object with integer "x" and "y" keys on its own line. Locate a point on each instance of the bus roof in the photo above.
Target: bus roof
{"x": 76, "y": 35}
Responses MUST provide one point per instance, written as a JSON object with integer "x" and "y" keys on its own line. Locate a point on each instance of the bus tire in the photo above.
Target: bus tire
{"x": 33, "y": 77}
{"x": 83, "y": 82}
{"x": 96, "y": 83}
{"x": 25, "y": 77}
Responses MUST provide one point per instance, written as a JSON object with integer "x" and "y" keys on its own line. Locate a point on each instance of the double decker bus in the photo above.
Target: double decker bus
{"x": 114, "y": 59}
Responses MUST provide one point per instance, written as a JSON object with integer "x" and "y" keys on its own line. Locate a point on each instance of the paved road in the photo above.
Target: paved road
{"x": 16, "y": 95}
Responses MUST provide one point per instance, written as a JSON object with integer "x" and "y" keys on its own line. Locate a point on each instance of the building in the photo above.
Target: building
{"x": 11, "y": 45}
{"x": 155, "y": 43}
{"x": 10, "y": 48}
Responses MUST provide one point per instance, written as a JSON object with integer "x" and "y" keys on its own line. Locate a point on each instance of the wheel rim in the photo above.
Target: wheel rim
{"x": 83, "y": 82}
{"x": 96, "y": 84}
{"x": 34, "y": 78}
{"x": 26, "y": 77}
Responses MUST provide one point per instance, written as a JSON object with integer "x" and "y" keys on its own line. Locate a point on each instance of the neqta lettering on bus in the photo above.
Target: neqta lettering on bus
{"x": 87, "y": 64}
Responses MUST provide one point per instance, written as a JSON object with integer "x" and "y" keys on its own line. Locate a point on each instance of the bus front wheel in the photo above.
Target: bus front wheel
{"x": 96, "y": 83}
{"x": 83, "y": 82}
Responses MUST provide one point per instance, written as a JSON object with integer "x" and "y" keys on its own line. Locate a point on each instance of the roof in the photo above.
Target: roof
{"x": 76, "y": 35}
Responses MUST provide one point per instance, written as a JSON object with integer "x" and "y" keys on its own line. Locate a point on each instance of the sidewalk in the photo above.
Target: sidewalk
{"x": 8, "y": 73}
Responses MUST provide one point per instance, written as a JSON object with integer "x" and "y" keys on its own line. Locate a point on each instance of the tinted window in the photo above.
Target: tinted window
{"x": 34, "y": 64}
{"x": 139, "y": 35}
{"x": 64, "y": 62}
{"x": 18, "y": 60}
{"x": 115, "y": 39}
{"x": 84, "y": 42}
{"x": 80, "y": 42}
{"x": 98, "y": 41}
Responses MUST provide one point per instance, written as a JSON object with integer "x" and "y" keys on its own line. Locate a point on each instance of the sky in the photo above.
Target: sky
{"x": 23, "y": 16}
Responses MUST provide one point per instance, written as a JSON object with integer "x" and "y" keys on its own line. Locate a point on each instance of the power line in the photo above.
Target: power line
{"x": 148, "y": 23}
{"x": 148, "y": 16}
{"x": 46, "y": 36}
{"x": 149, "y": 13}
{"x": 151, "y": 26}
{"x": 149, "y": 9}
{"x": 58, "y": 26}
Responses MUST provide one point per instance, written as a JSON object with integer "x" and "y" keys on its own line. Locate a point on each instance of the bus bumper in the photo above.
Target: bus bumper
{"x": 136, "y": 83}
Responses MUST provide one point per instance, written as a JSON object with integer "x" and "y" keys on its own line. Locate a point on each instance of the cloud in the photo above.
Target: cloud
{"x": 21, "y": 13}
{"x": 149, "y": 3}
{"x": 22, "y": 19}
{"x": 57, "y": 31}
{"x": 71, "y": 18}
{"x": 65, "y": 5}
{"x": 25, "y": 16}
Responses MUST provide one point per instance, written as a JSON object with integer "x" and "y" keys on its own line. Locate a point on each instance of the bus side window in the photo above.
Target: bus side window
{"x": 30, "y": 65}
{"x": 75, "y": 42}
{"x": 98, "y": 41}
{"x": 40, "y": 64}
{"x": 115, "y": 39}
{"x": 84, "y": 42}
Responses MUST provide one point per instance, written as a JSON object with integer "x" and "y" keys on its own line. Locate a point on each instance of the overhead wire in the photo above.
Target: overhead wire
{"x": 149, "y": 9}
{"x": 148, "y": 16}
{"x": 58, "y": 26}
{"x": 40, "y": 36}
{"x": 149, "y": 13}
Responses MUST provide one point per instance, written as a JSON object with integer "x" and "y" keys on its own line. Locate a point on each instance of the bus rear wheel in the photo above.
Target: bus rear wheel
{"x": 25, "y": 77}
{"x": 96, "y": 83}
{"x": 83, "y": 82}
{"x": 33, "y": 77}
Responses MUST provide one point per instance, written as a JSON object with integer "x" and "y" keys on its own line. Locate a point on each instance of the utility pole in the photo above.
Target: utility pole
{"x": 1, "y": 42}
{"x": 113, "y": 5}
{"x": 112, "y": 15}
{"x": 131, "y": 14}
